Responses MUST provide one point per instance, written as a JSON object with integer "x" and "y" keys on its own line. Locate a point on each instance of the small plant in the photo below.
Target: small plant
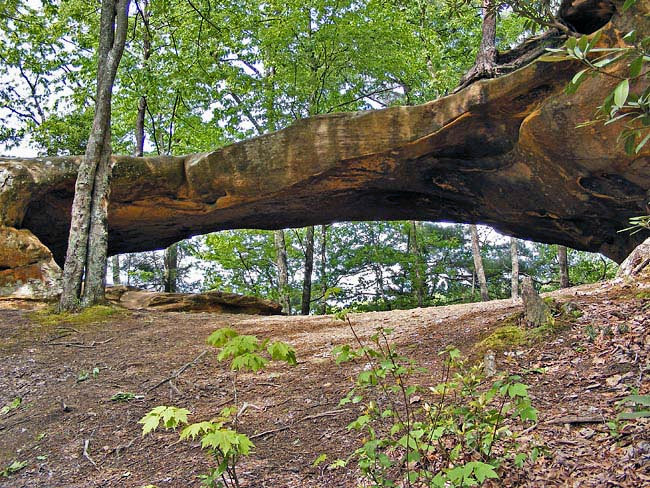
{"x": 14, "y": 467}
{"x": 640, "y": 407}
{"x": 219, "y": 436}
{"x": 123, "y": 397}
{"x": 591, "y": 333}
{"x": 84, "y": 375}
{"x": 12, "y": 405}
{"x": 457, "y": 433}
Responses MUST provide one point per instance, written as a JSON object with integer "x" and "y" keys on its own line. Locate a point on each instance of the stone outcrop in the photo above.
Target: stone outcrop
{"x": 27, "y": 269}
{"x": 212, "y": 301}
{"x": 504, "y": 152}
{"x": 637, "y": 264}
{"x": 536, "y": 312}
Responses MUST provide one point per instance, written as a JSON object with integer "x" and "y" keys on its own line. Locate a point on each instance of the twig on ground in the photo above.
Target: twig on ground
{"x": 79, "y": 344}
{"x": 122, "y": 447}
{"x": 86, "y": 455}
{"x": 304, "y": 419}
{"x": 180, "y": 371}
{"x": 574, "y": 419}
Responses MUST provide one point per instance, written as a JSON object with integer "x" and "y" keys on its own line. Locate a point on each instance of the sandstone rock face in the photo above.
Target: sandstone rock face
{"x": 27, "y": 269}
{"x": 212, "y": 301}
{"x": 504, "y": 152}
{"x": 637, "y": 264}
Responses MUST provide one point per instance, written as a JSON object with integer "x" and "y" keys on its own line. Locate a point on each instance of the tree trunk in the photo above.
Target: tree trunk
{"x": 564, "y": 266}
{"x": 515, "y": 268}
{"x": 486, "y": 57}
{"x": 145, "y": 14}
{"x": 115, "y": 265}
{"x": 309, "y": 266}
{"x": 323, "y": 268}
{"x": 88, "y": 227}
{"x": 414, "y": 250}
{"x": 171, "y": 269}
{"x": 478, "y": 264}
{"x": 283, "y": 274}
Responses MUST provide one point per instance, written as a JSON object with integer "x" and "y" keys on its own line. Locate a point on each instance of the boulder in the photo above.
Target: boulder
{"x": 637, "y": 264}
{"x": 27, "y": 268}
{"x": 536, "y": 312}
{"x": 212, "y": 301}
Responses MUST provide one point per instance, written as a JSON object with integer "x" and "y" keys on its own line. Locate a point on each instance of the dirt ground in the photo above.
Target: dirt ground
{"x": 293, "y": 414}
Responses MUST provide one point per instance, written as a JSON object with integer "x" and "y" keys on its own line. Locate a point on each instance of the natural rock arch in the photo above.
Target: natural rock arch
{"x": 504, "y": 152}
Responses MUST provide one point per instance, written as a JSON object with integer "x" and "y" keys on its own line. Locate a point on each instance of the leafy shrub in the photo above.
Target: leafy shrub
{"x": 219, "y": 436}
{"x": 456, "y": 433}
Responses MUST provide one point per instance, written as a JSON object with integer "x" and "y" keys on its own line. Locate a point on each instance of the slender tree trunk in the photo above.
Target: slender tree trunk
{"x": 564, "y": 266}
{"x": 486, "y": 57}
{"x": 115, "y": 266}
{"x": 514, "y": 256}
{"x": 323, "y": 267}
{"x": 414, "y": 250}
{"x": 145, "y": 14}
{"x": 88, "y": 237}
{"x": 478, "y": 264}
{"x": 309, "y": 267}
{"x": 283, "y": 273}
{"x": 171, "y": 269}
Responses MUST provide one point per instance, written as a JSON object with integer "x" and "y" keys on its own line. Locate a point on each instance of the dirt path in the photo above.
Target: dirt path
{"x": 296, "y": 407}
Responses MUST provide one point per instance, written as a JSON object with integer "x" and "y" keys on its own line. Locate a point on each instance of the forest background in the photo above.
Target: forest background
{"x": 198, "y": 74}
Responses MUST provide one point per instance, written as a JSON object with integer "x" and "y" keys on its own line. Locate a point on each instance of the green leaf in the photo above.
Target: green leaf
{"x": 12, "y": 405}
{"x": 643, "y": 142}
{"x": 638, "y": 399}
{"x": 621, "y": 93}
{"x": 320, "y": 459}
{"x": 251, "y": 362}
{"x": 281, "y": 351}
{"x": 633, "y": 415}
{"x": 194, "y": 430}
{"x": 628, "y": 4}
{"x": 339, "y": 463}
{"x": 244, "y": 444}
{"x": 636, "y": 66}
{"x": 482, "y": 471}
{"x": 518, "y": 389}
{"x": 221, "y": 336}
{"x": 149, "y": 423}
{"x": 221, "y": 440}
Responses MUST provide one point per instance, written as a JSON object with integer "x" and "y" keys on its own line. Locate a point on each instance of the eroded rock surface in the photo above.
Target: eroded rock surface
{"x": 27, "y": 269}
{"x": 212, "y": 301}
{"x": 504, "y": 152}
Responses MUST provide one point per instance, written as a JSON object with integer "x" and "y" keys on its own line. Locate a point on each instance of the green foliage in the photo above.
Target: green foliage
{"x": 640, "y": 407}
{"x": 123, "y": 397}
{"x": 219, "y": 436}
{"x": 225, "y": 445}
{"x": 10, "y": 406}
{"x": 459, "y": 432}
{"x": 638, "y": 224}
{"x": 245, "y": 351}
{"x": 171, "y": 417}
{"x": 628, "y": 104}
{"x": 14, "y": 467}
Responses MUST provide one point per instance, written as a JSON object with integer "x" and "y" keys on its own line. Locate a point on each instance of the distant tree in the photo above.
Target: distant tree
{"x": 515, "y": 268}
{"x": 478, "y": 264}
{"x": 563, "y": 264}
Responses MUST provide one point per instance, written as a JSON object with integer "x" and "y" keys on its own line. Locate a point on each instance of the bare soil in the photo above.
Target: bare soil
{"x": 293, "y": 414}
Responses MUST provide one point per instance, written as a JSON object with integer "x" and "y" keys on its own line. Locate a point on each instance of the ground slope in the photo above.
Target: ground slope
{"x": 590, "y": 366}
